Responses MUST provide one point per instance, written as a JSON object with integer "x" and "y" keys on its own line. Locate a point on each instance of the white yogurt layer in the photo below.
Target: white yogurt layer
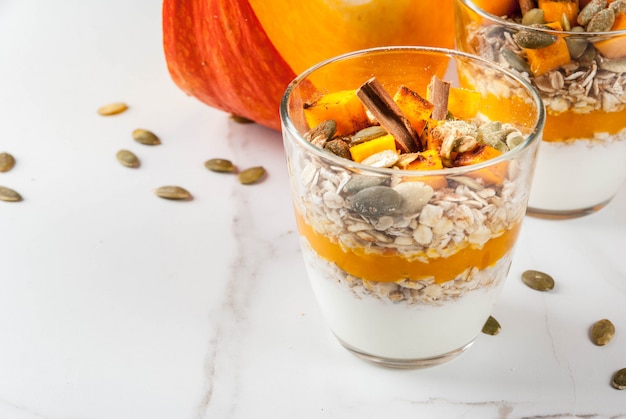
{"x": 397, "y": 330}
{"x": 579, "y": 174}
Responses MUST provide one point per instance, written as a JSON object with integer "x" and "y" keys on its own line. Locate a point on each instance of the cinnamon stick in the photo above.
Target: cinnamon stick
{"x": 526, "y": 5}
{"x": 381, "y": 105}
{"x": 439, "y": 91}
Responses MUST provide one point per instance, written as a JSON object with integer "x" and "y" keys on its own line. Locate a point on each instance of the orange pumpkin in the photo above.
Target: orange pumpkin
{"x": 240, "y": 55}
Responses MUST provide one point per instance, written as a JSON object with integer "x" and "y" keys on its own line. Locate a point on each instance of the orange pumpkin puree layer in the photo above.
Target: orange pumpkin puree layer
{"x": 569, "y": 125}
{"x": 393, "y": 266}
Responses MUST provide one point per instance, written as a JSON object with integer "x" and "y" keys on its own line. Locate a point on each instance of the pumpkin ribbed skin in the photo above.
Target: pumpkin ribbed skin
{"x": 240, "y": 55}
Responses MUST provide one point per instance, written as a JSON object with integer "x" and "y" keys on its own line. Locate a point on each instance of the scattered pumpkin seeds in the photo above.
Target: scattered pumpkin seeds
{"x": 619, "y": 379}
{"x": 537, "y": 280}
{"x": 241, "y": 119}
{"x": 251, "y": 175}
{"x": 173, "y": 192}
{"x": 112, "y": 108}
{"x": 145, "y": 137}
{"x": 127, "y": 158}
{"x": 602, "y": 332}
{"x": 7, "y": 162}
{"x": 492, "y": 326}
{"x": 9, "y": 195}
{"x": 220, "y": 165}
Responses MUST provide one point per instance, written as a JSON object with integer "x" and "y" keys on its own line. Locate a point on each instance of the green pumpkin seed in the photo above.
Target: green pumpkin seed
{"x": 619, "y": 379}
{"x": 492, "y": 327}
{"x": 251, "y": 175}
{"x": 618, "y": 6}
{"x": 322, "y": 133}
{"x": 588, "y": 56}
{"x": 7, "y": 162}
{"x": 492, "y": 134}
{"x": 537, "y": 280}
{"x": 220, "y": 165}
{"x": 112, "y": 108}
{"x": 533, "y": 17}
{"x": 515, "y": 61}
{"x": 173, "y": 193}
{"x": 9, "y": 195}
{"x": 339, "y": 147}
{"x": 565, "y": 23}
{"x": 601, "y": 21}
{"x": 145, "y": 137}
{"x": 376, "y": 201}
{"x": 367, "y": 134}
{"x": 534, "y": 39}
{"x": 127, "y": 158}
{"x": 602, "y": 332}
{"x": 358, "y": 183}
{"x": 589, "y": 11}
{"x": 241, "y": 119}
{"x": 575, "y": 45}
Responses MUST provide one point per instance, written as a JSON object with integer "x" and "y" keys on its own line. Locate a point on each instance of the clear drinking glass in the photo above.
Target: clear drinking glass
{"x": 581, "y": 78}
{"x": 406, "y": 265}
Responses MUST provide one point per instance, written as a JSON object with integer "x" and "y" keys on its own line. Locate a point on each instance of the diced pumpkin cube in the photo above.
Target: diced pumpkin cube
{"x": 463, "y": 103}
{"x": 553, "y": 10}
{"x": 344, "y": 107}
{"x": 542, "y": 60}
{"x": 416, "y": 109}
{"x": 614, "y": 47}
{"x": 429, "y": 160}
{"x": 361, "y": 151}
{"x": 492, "y": 175}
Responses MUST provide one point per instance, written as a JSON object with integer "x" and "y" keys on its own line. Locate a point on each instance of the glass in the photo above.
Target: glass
{"x": 406, "y": 265}
{"x": 581, "y": 78}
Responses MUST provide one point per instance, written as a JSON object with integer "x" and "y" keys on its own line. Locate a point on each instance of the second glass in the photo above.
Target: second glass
{"x": 581, "y": 77}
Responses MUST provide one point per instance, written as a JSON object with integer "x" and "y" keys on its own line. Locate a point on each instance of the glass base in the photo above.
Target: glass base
{"x": 405, "y": 363}
{"x": 565, "y": 214}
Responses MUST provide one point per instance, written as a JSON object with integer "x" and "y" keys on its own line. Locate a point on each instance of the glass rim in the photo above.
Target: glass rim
{"x": 290, "y": 129}
{"x": 495, "y": 18}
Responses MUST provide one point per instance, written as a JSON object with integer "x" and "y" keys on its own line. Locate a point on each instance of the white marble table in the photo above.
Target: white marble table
{"x": 116, "y": 304}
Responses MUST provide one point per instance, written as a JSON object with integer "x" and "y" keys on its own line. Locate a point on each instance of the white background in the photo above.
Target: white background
{"x": 117, "y": 304}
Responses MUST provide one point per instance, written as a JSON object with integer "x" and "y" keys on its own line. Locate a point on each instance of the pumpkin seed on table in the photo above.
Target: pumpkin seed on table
{"x": 492, "y": 326}
{"x": 537, "y": 280}
{"x": 7, "y": 162}
{"x": 112, "y": 108}
{"x": 127, "y": 158}
{"x": 175, "y": 193}
{"x": 145, "y": 137}
{"x": 241, "y": 119}
{"x": 251, "y": 175}
{"x": 220, "y": 165}
{"x": 602, "y": 332}
{"x": 9, "y": 195}
{"x": 619, "y": 379}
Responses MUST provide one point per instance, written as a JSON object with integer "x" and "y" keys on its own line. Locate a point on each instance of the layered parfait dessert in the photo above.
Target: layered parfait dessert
{"x": 409, "y": 202}
{"x": 574, "y": 53}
